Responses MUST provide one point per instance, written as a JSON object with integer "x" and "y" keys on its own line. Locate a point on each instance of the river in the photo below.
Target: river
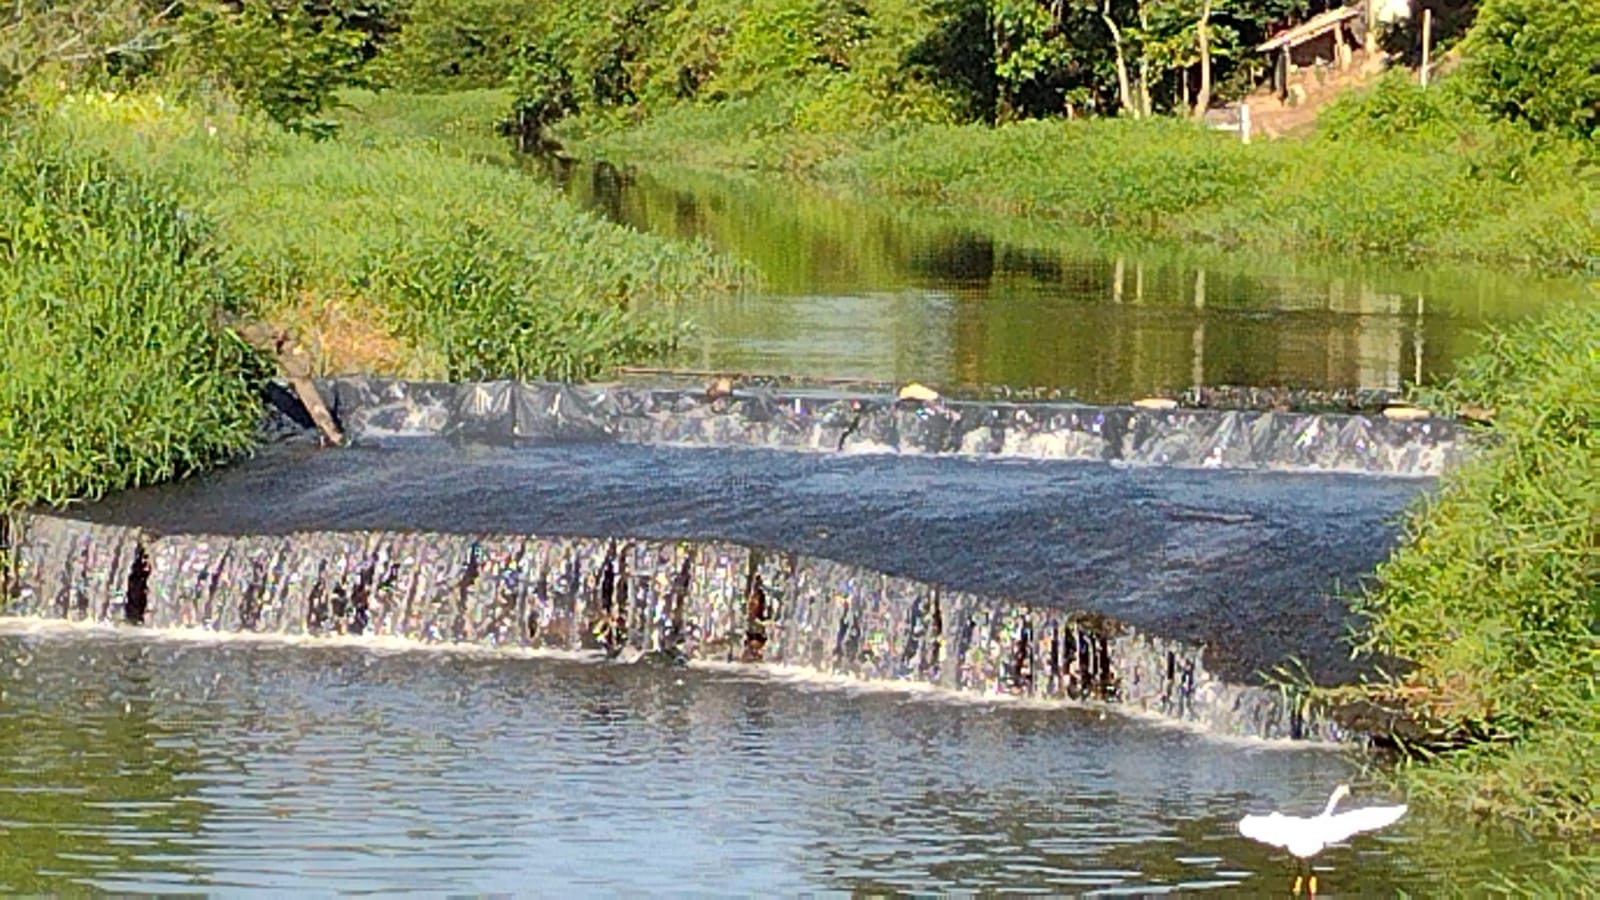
{"x": 154, "y": 760}
{"x": 861, "y": 289}
{"x": 157, "y": 762}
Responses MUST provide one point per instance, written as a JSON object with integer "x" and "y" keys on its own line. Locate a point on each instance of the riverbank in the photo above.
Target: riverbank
{"x": 1493, "y": 597}
{"x": 114, "y": 370}
{"x": 1391, "y": 172}
{"x": 166, "y": 216}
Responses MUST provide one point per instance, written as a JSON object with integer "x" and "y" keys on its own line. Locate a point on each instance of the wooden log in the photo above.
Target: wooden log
{"x": 294, "y": 363}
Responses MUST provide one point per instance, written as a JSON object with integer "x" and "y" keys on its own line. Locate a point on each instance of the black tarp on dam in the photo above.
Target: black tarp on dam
{"x": 978, "y": 545}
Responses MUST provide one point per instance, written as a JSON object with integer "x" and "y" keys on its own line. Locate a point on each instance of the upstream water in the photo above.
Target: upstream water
{"x": 149, "y": 762}
{"x": 856, "y": 289}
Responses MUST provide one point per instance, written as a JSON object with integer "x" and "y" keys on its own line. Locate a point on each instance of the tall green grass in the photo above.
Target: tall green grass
{"x": 473, "y": 270}
{"x": 761, "y": 133}
{"x": 1452, "y": 186}
{"x": 1393, "y": 171}
{"x": 135, "y": 224}
{"x": 113, "y": 371}
{"x": 1494, "y": 595}
{"x": 460, "y": 123}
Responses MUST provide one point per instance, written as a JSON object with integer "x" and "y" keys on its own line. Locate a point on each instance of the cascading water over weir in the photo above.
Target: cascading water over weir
{"x": 1159, "y": 560}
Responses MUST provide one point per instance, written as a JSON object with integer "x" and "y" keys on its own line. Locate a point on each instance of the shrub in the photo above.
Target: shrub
{"x": 1395, "y": 106}
{"x": 1535, "y": 61}
{"x": 542, "y": 92}
{"x": 458, "y": 44}
{"x": 282, "y": 57}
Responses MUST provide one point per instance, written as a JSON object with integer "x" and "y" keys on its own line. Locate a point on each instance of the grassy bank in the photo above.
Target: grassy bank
{"x": 1394, "y": 171}
{"x": 387, "y": 253}
{"x": 136, "y": 223}
{"x": 1494, "y": 596}
{"x": 115, "y": 372}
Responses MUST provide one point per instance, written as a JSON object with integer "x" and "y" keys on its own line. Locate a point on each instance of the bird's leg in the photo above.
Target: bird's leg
{"x": 1298, "y": 879}
{"x": 1312, "y": 883}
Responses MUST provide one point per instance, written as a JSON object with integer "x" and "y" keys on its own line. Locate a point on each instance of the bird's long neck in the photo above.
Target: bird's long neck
{"x": 1338, "y": 794}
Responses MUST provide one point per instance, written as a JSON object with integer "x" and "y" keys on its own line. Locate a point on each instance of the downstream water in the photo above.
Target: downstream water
{"x": 147, "y": 763}
{"x": 870, "y": 290}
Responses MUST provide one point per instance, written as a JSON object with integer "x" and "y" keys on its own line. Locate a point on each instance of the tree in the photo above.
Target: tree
{"x": 77, "y": 33}
{"x": 459, "y": 43}
{"x": 1202, "y": 101}
{"x": 1536, "y": 61}
{"x": 1119, "y": 46}
{"x": 285, "y": 57}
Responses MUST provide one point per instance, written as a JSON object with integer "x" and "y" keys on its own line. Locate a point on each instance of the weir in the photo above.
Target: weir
{"x": 1159, "y": 560}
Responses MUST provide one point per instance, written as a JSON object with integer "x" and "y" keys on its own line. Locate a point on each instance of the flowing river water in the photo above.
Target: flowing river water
{"x": 166, "y": 757}
{"x": 168, "y": 761}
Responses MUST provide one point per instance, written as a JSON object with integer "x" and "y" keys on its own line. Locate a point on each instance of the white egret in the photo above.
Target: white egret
{"x": 1306, "y": 836}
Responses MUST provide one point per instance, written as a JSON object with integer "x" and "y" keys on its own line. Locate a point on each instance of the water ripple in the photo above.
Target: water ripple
{"x": 133, "y": 764}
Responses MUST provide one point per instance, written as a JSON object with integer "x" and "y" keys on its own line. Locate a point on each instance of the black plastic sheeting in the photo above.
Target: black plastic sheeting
{"x": 633, "y": 601}
{"x": 1240, "y": 561}
{"x": 512, "y": 413}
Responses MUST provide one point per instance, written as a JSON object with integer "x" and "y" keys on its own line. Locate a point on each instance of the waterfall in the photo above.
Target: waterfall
{"x": 684, "y": 600}
{"x": 1279, "y": 440}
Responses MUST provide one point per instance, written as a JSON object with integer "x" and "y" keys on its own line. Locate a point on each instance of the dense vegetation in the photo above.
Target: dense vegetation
{"x": 116, "y": 371}
{"x": 1396, "y": 170}
{"x": 139, "y": 224}
{"x": 966, "y": 102}
{"x": 1533, "y": 61}
{"x": 1454, "y": 171}
{"x": 472, "y": 271}
{"x": 1494, "y": 597}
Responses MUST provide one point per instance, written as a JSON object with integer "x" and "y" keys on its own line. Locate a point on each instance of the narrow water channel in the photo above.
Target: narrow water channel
{"x": 887, "y": 292}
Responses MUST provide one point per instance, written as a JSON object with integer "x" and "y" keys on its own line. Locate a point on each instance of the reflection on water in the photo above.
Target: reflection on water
{"x": 870, "y": 291}
{"x": 138, "y": 764}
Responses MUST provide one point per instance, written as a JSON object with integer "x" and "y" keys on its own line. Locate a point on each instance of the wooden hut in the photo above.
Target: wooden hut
{"x": 1329, "y": 37}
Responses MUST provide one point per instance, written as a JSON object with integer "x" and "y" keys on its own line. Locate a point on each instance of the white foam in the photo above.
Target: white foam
{"x": 798, "y": 677}
{"x": 377, "y": 644}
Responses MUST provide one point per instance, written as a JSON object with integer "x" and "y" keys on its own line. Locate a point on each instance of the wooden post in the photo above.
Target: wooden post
{"x": 1244, "y": 122}
{"x": 295, "y": 364}
{"x": 1197, "y": 340}
{"x": 1427, "y": 39}
{"x": 1417, "y": 343}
